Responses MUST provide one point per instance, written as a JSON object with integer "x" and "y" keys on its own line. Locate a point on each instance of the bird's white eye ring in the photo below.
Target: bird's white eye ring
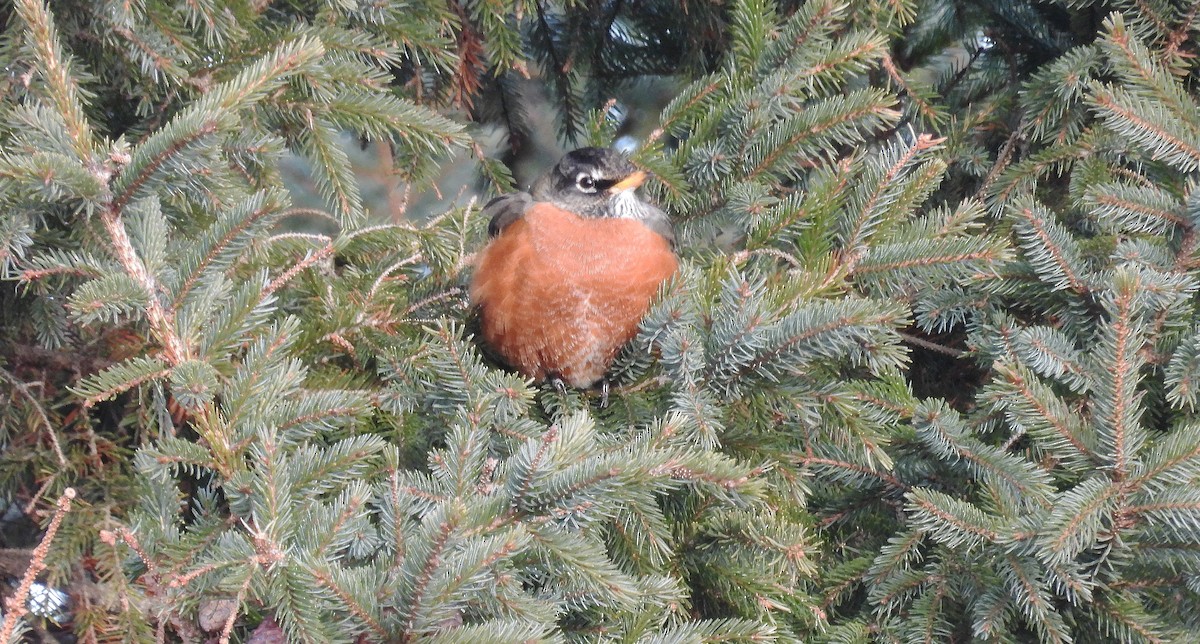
{"x": 585, "y": 182}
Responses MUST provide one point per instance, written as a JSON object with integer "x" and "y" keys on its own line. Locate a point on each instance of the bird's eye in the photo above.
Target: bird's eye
{"x": 585, "y": 182}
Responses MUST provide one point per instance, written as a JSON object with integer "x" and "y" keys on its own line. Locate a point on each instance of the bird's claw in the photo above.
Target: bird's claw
{"x": 604, "y": 394}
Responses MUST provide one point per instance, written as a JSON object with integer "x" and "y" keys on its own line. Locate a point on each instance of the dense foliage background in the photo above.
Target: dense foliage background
{"x": 929, "y": 373}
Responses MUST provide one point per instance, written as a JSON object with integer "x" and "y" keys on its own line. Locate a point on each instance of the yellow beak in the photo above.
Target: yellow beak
{"x": 628, "y": 183}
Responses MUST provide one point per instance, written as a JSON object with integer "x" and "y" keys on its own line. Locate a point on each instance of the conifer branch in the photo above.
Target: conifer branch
{"x": 179, "y": 581}
{"x": 1003, "y": 159}
{"x": 1037, "y": 606}
{"x": 363, "y": 614}
{"x": 966, "y": 449}
{"x": 1131, "y": 622}
{"x": 162, "y": 64}
{"x": 837, "y": 591}
{"x": 844, "y": 177}
{"x": 323, "y": 414}
{"x": 989, "y": 254}
{"x": 1147, "y": 77}
{"x": 855, "y": 239}
{"x": 900, "y": 589}
{"x": 1055, "y": 252}
{"x": 34, "y": 274}
{"x": 844, "y": 118}
{"x": 387, "y": 272}
{"x": 215, "y": 250}
{"x": 1164, "y": 465}
{"x": 316, "y": 238}
{"x": 433, "y": 299}
{"x": 1017, "y": 177}
{"x": 1147, "y": 128}
{"x": 1188, "y": 258}
{"x": 1122, "y": 371}
{"x": 498, "y": 554}
{"x": 1061, "y": 538}
{"x": 532, "y": 468}
{"x": 1147, "y": 11}
{"x": 56, "y": 68}
{"x": 1179, "y": 34}
{"x": 1052, "y": 419}
{"x": 927, "y": 506}
{"x": 900, "y": 552}
{"x": 763, "y": 358}
{"x": 100, "y": 395}
{"x": 396, "y": 512}
{"x": 675, "y": 112}
{"x": 348, "y": 513}
{"x": 867, "y": 47}
{"x": 421, "y": 583}
{"x": 924, "y": 107}
{"x": 1116, "y": 201}
{"x": 825, "y": 13}
{"x": 145, "y": 171}
{"x": 884, "y": 477}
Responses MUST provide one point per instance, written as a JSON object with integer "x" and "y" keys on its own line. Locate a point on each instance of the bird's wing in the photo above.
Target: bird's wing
{"x": 504, "y": 210}
{"x": 658, "y": 221}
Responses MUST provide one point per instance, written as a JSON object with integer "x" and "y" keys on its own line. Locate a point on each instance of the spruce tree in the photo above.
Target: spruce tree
{"x": 928, "y": 372}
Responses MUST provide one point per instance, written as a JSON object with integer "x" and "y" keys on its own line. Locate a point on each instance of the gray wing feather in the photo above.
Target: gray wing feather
{"x": 661, "y": 224}
{"x": 506, "y": 209}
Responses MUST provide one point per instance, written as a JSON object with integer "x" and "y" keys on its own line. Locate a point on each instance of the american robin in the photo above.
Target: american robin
{"x": 571, "y": 268}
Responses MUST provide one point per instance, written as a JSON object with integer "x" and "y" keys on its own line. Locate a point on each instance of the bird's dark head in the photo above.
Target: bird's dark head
{"x": 593, "y": 182}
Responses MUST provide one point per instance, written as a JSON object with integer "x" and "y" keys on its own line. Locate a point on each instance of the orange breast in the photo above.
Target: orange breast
{"x": 560, "y": 294}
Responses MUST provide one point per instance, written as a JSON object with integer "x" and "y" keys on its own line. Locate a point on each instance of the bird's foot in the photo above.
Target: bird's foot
{"x": 604, "y": 394}
{"x": 559, "y": 385}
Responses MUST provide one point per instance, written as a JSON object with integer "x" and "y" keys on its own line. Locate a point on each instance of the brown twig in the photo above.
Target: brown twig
{"x": 930, "y": 346}
{"x": 40, "y": 412}
{"x": 387, "y": 272}
{"x": 17, "y": 605}
{"x": 309, "y": 260}
{"x": 111, "y": 537}
{"x": 162, "y": 319}
{"x": 37, "y": 496}
{"x": 227, "y": 631}
{"x": 433, "y": 299}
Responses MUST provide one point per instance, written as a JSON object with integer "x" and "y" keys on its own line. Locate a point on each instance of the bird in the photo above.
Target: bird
{"x": 571, "y": 268}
